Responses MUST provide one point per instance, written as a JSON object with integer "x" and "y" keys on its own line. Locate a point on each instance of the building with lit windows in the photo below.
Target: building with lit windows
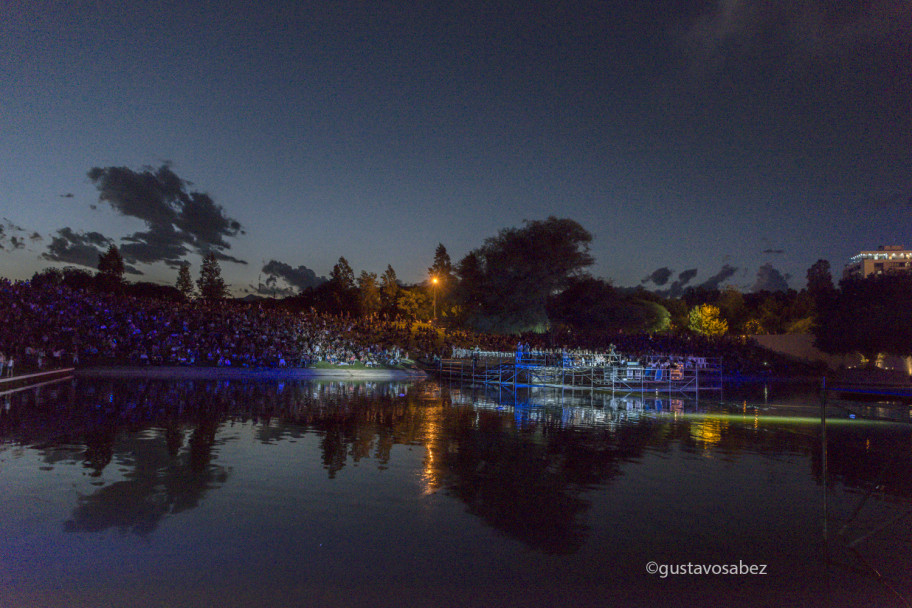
{"x": 888, "y": 259}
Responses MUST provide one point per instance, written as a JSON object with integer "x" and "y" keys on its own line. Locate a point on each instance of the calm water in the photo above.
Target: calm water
{"x": 156, "y": 493}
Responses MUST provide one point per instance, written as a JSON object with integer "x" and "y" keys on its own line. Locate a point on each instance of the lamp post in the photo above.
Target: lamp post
{"x": 434, "y": 288}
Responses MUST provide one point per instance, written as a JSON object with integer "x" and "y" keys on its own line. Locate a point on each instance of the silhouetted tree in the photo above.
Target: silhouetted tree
{"x": 184, "y": 282}
{"x": 78, "y": 278}
{"x": 584, "y": 305}
{"x": 147, "y": 290}
{"x": 731, "y": 307}
{"x": 868, "y": 316}
{"x": 516, "y": 271}
{"x": 342, "y": 288}
{"x": 820, "y": 283}
{"x": 48, "y": 276}
{"x": 442, "y": 268}
{"x": 342, "y": 274}
{"x": 211, "y": 285}
{"x": 110, "y": 269}
{"x": 368, "y": 293}
{"x": 111, "y": 263}
{"x": 389, "y": 289}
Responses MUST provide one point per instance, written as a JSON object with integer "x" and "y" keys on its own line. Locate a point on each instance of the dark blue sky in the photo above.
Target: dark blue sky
{"x": 683, "y": 135}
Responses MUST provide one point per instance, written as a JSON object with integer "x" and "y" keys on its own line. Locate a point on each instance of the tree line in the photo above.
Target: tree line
{"x": 534, "y": 278}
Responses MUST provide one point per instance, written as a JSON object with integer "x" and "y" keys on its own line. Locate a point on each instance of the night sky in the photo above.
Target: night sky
{"x": 735, "y": 142}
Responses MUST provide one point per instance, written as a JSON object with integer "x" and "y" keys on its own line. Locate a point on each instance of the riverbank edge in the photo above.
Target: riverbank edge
{"x": 229, "y": 373}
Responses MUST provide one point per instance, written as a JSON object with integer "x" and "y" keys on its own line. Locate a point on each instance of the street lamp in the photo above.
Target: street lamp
{"x": 434, "y": 288}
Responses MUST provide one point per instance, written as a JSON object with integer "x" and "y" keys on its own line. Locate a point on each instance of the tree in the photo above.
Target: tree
{"x": 49, "y": 276}
{"x": 342, "y": 288}
{"x": 78, "y": 278}
{"x": 211, "y": 285}
{"x": 732, "y": 308}
{"x": 515, "y": 272}
{"x": 587, "y": 304}
{"x": 184, "y": 283}
{"x": 442, "y": 268}
{"x": 869, "y": 316}
{"x": 368, "y": 293}
{"x": 389, "y": 289}
{"x": 441, "y": 281}
{"x": 820, "y": 284}
{"x": 111, "y": 264}
{"x": 414, "y": 304}
{"x": 753, "y": 327}
{"x": 704, "y": 319}
{"x": 471, "y": 282}
{"x": 342, "y": 275}
{"x": 819, "y": 279}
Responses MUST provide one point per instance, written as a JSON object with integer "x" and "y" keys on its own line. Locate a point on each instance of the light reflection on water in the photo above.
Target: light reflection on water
{"x": 310, "y": 493}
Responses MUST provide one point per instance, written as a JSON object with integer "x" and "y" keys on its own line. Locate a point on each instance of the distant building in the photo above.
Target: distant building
{"x": 888, "y": 259}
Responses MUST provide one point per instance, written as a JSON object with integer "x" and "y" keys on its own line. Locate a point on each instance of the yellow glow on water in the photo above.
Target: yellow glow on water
{"x": 709, "y": 430}
{"x": 431, "y": 476}
{"x": 787, "y": 420}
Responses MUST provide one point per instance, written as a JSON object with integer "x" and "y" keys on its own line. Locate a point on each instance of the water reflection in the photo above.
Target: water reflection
{"x": 160, "y": 480}
{"x": 525, "y": 463}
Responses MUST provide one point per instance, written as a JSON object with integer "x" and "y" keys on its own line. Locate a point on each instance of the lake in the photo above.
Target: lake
{"x": 149, "y": 492}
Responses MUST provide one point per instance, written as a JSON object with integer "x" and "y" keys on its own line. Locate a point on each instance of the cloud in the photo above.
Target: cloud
{"x": 798, "y": 28}
{"x": 159, "y": 244}
{"x": 178, "y": 221}
{"x": 769, "y": 279}
{"x": 676, "y": 289}
{"x": 80, "y": 248}
{"x": 715, "y": 281}
{"x": 658, "y": 276}
{"x": 294, "y": 279}
{"x": 9, "y": 240}
{"x": 686, "y": 275}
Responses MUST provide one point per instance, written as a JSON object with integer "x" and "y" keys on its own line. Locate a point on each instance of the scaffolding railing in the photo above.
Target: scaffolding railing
{"x": 530, "y": 369}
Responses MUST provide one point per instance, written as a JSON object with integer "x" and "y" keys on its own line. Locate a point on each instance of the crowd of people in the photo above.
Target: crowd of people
{"x": 49, "y": 325}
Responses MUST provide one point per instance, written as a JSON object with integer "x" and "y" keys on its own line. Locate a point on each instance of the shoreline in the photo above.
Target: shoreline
{"x": 218, "y": 373}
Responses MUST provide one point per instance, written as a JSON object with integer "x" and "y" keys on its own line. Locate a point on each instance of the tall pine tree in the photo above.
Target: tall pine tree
{"x": 111, "y": 264}
{"x": 184, "y": 282}
{"x": 211, "y": 285}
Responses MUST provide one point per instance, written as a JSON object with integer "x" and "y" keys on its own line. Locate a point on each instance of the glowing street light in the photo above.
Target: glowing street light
{"x": 434, "y": 288}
